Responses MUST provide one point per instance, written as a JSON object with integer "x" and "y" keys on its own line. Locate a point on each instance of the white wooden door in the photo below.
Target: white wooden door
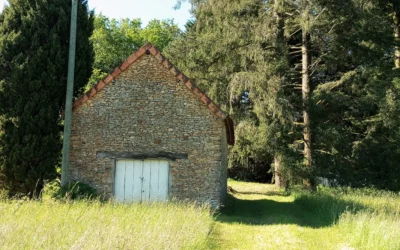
{"x": 141, "y": 180}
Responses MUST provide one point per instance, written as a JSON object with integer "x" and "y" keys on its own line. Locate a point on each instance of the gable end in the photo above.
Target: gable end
{"x": 148, "y": 48}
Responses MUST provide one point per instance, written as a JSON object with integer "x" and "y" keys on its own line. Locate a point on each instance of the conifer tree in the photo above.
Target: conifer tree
{"x": 241, "y": 45}
{"x": 34, "y": 37}
{"x": 356, "y": 138}
{"x": 338, "y": 53}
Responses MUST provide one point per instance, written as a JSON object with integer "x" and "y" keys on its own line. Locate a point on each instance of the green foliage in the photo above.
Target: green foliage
{"x": 71, "y": 191}
{"x": 234, "y": 46}
{"x": 254, "y": 45}
{"x": 355, "y": 131}
{"x": 78, "y": 190}
{"x": 51, "y": 189}
{"x": 355, "y": 101}
{"x": 114, "y": 40}
{"x": 4, "y": 195}
{"x": 160, "y": 33}
{"x": 34, "y": 43}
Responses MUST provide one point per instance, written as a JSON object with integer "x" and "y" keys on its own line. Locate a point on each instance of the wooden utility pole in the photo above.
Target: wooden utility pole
{"x": 70, "y": 90}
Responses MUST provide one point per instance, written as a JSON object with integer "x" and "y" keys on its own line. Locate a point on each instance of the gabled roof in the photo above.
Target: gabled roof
{"x": 148, "y": 48}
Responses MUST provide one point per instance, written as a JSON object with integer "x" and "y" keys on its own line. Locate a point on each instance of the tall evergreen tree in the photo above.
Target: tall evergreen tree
{"x": 34, "y": 41}
{"x": 329, "y": 50}
{"x": 356, "y": 102}
{"x": 242, "y": 45}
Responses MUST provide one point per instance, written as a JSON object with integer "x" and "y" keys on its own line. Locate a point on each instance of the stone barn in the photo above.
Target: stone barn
{"x": 147, "y": 133}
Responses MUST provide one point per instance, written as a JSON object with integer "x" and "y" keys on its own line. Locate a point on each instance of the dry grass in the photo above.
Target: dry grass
{"x": 92, "y": 225}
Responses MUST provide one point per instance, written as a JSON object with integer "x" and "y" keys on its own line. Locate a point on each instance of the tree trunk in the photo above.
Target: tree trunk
{"x": 280, "y": 47}
{"x": 306, "y": 91}
{"x": 278, "y": 176}
{"x": 396, "y": 20}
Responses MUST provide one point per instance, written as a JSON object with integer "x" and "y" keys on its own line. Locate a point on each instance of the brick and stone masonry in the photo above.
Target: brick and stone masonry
{"x": 146, "y": 105}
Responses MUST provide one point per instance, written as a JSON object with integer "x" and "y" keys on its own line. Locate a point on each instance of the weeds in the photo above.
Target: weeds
{"x": 96, "y": 225}
{"x": 256, "y": 216}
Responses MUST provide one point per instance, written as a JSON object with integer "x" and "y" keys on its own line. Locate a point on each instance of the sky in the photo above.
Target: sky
{"x": 146, "y": 10}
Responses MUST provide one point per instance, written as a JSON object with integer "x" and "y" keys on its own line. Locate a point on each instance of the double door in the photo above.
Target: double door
{"x": 141, "y": 180}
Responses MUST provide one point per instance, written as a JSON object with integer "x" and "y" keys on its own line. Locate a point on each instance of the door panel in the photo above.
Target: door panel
{"x": 129, "y": 183}
{"x": 163, "y": 180}
{"x": 119, "y": 186}
{"x": 138, "y": 180}
{"x": 154, "y": 169}
{"x": 146, "y": 181}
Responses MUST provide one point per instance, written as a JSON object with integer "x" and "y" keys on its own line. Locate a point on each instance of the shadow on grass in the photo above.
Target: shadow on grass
{"x": 269, "y": 192}
{"x": 313, "y": 212}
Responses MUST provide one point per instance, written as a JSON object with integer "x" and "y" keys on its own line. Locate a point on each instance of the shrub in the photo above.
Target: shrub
{"x": 72, "y": 191}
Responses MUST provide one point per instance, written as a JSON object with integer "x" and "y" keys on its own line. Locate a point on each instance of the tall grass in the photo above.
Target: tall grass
{"x": 367, "y": 218}
{"x": 95, "y": 225}
{"x": 259, "y": 217}
{"x": 371, "y": 230}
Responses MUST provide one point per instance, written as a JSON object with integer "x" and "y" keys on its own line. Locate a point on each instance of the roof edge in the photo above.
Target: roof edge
{"x": 149, "y": 48}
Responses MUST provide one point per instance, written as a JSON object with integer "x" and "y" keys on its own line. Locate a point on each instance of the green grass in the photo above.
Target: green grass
{"x": 85, "y": 225}
{"x": 365, "y": 218}
{"x": 256, "y": 216}
{"x": 259, "y": 216}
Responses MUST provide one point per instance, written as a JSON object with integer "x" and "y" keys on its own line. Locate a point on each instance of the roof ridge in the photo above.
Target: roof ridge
{"x": 151, "y": 49}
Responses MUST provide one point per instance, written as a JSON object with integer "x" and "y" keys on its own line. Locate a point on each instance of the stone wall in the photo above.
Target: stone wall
{"x": 148, "y": 109}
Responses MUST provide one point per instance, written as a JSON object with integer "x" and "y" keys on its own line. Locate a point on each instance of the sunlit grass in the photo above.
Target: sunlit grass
{"x": 365, "y": 218}
{"x": 256, "y": 216}
{"x": 259, "y": 216}
{"x": 93, "y": 225}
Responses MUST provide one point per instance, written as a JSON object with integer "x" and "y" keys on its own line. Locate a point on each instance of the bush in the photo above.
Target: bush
{"x": 4, "y": 195}
{"x": 72, "y": 191}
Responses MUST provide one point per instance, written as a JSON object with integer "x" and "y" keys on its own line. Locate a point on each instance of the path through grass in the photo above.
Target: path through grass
{"x": 258, "y": 216}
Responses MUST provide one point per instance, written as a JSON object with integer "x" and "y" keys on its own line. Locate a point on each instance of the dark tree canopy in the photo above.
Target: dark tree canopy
{"x": 34, "y": 43}
{"x": 345, "y": 55}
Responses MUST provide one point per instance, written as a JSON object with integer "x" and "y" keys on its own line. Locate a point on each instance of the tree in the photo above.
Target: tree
{"x": 114, "y": 40}
{"x": 241, "y": 45}
{"x": 340, "y": 54}
{"x": 160, "y": 33}
{"x": 34, "y": 37}
{"x": 355, "y": 107}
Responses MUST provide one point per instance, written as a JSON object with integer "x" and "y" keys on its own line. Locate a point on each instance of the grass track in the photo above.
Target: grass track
{"x": 258, "y": 216}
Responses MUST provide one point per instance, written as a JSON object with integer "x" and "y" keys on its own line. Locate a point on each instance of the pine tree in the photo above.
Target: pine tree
{"x": 356, "y": 129}
{"x": 344, "y": 121}
{"x": 241, "y": 45}
{"x": 34, "y": 37}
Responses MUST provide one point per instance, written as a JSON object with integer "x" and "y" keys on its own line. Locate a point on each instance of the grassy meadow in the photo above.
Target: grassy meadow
{"x": 92, "y": 225}
{"x": 256, "y": 216}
